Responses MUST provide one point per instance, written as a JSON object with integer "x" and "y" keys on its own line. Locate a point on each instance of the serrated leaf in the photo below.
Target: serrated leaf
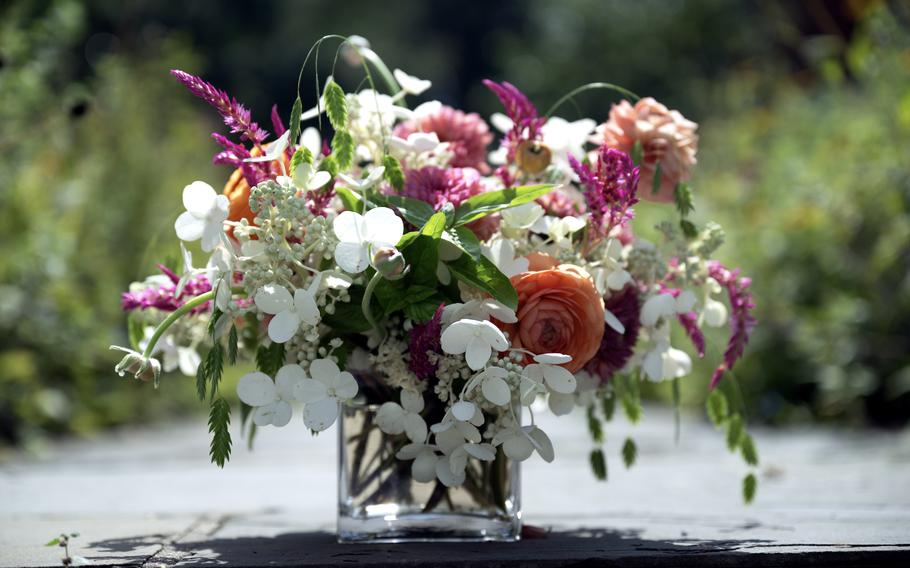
{"x": 300, "y": 157}
{"x": 655, "y": 182}
{"x": 735, "y": 431}
{"x": 213, "y": 322}
{"x": 219, "y": 426}
{"x": 594, "y": 426}
{"x": 747, "y": 448}
{"x": 335, "y": 105}
{"x": 214, "y": 367}
{"x": 599, "y": 464}
{"x": 233, "y": 340}
{"x": 629, "y": 452}
{"x": 682, "y": 196}
{"x": 485, "y": 276}
{"x": 393, "y": 173}
{"x": 717, "y": 408}
{"x": 343, "y": 149}
{"x": 488, "y": 202}
{"x": 202, "y": 379}
{"x": 638, "y": 153}
{"x": 750, "y": 485}
{"x": 294, "y": 123}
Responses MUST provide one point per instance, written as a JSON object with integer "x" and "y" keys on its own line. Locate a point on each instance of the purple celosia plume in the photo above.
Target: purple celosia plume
{"x": 611, "y": 188}
{"x": 236, "y": 116}
{"x": 164, "y": 297}
{"x": 617, "y": 348}
{"x": 277, "y": 124}
{"x": 742, "y": 322}
{"x": 689, "y": 323}
{"x": 425, "y": 339}
{"x": 526, "y": 123}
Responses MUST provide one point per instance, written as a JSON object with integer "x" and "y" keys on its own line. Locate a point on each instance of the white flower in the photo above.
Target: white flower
{"x": 311, "y": 140}
{"x": 323, "y": 393}
{"x": 547, "y": 370}
{"x": 564, "y": 138}
{"x": 519, "y": 443}
{"x": 715, "y": 313}
{"x": 476, "y": 339}
{"x": 663, "y": 305}
{"x": 492, "y": 381}
{"x": 416, "y": 143}
{"x": 559, "y": 229}
{"x": 289, "y": 311}
{"x": 274, "y": 151}
{"x": 458, "y": 458}
{"x": 308, "y": 177}
{"x": 423, "y": 470}
{"x": 611, "y": 275}
{"x": 522, "y": 216}
{"x": 204, "y": 217}
{"x": 359, "y": 185}
{"x": 220, "y": 269}
{"x": 393, "y": 418}
{"x": 173, "y": 356}
{"x": 479, "y": 309}
{"x": 410, "y": 84}
{"x": 134, "y": 363}
{"x": 360, "y": 234}
{"x": 662, "y": 362}
{"x": 272, "y": 400}
{"x": 501, "y": 252}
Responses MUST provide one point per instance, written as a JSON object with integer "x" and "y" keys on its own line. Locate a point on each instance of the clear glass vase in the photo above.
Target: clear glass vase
{"x": 378, "y": 501}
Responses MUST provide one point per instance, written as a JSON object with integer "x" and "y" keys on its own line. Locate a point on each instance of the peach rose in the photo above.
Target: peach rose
{"x": 666, "y": 137}
{"x": 559, "y": 311}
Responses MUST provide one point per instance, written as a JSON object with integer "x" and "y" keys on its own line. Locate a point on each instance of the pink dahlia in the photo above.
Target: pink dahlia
{"x": 617, "y": 348}
{"x": 438, "y": 186}
{"x": 466, "y": 133}
{"x": 666, "y": 137}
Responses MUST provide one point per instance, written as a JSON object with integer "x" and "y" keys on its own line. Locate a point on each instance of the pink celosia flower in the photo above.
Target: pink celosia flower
{"x": 438, "y": 186}
{"x": 665, "y": 135}
{"x": 526, "y": 123}
{"x": 164, "y": 296}
{"x": 562, "y": 202}
{"x": 466, "y": 134}
{"x": 610, "y": 188}
{"x": 741, "y": 321}
{"x": 617, "y": 348}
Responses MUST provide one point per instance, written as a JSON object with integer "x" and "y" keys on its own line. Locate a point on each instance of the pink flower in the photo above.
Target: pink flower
{"x": 666, "y": 137}
{"x": 466, "y": 134}
{"x": 563, "y": 202}
{"x": 439, "y": 186}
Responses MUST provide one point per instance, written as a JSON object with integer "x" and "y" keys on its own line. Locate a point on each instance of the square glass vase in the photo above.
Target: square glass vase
{"x": 379, "y": 501}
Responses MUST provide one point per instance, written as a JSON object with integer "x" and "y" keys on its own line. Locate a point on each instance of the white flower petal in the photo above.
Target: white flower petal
{"x": 517, "y": 447}
{"x": 458, "y": 460}
{"x": 188, "y": 227}
{"x": 383, "y": 226}
{"x": 199, "y": 198}
{"x": 468, "y": 431}
{"x": 412, "y": 401}
{"x": 614, "y": 323}
{"x": 484, "y": 452}
{"x": 311, "y": 139}
{"x": 318, "y": 180}
{"x": 423, "y": 470}
{"x": 309, "y": 390}
{"x": 553, "y": 358}
{"x": 415, "y": 427}
{"x": 390, "y": 418}
{"x": 410, "y": 451}
{"x": 281, "y": 413}
{"x": 463, "y": 410}
{"x": 715, "y": 313}
{"x": 321, "y": 414}
{"x": 454, "y": 339}
{"x": 494, "y": 336}
{"x": 477, "y": 353}
{"x": 352, "y": 257}
{"x": 685, "y": 302}
{"x": 306, "y": 308}
{"x": 287, "y": 380}
{"x": 325, "y": 371}
{"x": 445, "y": 475}
{"x": 211, "y": 236}
{"x": 273, "y": 299}
{"x": 350, "y": 227}
{"x": 618, "y": 279}
{"x": 256, "y": 389}
{"x": 263, "y": 415}
{"x": 561, "y": 404}
{"x": 283, "y": 326}
{"x": 496, "y": 391}
{"x": 544, "y": 445}
{"x": 559, "y": 379}
{"x": 448, "y": 440}
{"x": 656, "y": 307}
{"x": 346, "y": 389}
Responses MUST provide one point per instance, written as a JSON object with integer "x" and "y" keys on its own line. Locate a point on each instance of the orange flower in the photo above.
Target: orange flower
{"x": 559, "y": 311}
{"x": 541, "y": 261}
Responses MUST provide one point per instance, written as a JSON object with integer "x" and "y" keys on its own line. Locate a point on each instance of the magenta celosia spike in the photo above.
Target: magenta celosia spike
{"x": 164, "y": 297}
{"x": 689, "y": 322}
{"x": 235, "y": 115}
{"x": 611, "y": 188}
{"x": 277, "y": 125}
{"x": 742, "y": 322}
{"x": 518, "y": 107}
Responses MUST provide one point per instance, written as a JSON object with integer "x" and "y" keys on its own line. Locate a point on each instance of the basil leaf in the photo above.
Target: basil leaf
{"x": 484, "y": 275}
{"x": 488, "y": 202}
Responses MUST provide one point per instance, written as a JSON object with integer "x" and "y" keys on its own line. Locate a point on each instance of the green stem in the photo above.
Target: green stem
{"x": 365, "y": 304}
{"x": 175, "y": 315}
{"x": 590, "y": 87}
{"x": 380, "y": 66}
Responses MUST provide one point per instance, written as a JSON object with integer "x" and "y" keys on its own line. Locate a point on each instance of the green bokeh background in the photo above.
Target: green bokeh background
{"x": 804, "y": 113}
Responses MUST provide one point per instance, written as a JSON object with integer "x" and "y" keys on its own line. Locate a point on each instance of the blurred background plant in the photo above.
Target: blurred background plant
{"x": 805, "y": 124}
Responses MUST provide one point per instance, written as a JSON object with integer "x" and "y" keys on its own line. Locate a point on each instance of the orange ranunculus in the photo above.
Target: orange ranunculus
{"x": 541, "y": 261}
{"x": 237, "y": 190}
{"x": 559, "y": 311}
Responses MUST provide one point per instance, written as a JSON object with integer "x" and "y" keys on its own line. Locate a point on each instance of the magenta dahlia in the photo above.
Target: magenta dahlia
{"x": 616, "y": 348}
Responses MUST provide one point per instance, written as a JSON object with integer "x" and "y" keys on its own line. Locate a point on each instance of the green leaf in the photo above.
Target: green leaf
{"x": 219, "y": 426}
{"x": 393, "y": 173}
{"x": 638, "y": 153}
{"x": 135, "y": 330}
{"x": 435, "y": 226}
{"x": 630, "y": 396}
{"x": 300, "y": 157}
{"x": 465, "y": 239}
{"x": 717, "y": 407}
{"x": 202, "y": 379}
{"x": 53, "y": 542}
{"x": 422, "y": 311}
{"x": 294, "y": 122}
{"x": 682, "y": 196}
{"x": 213, "y": 322}
{"x": 343, "y": 149}
{"x": 483, "y": 275}
{"x": 415, "y": 211}
{"x": 747, "y": 447}
{"x": 214, "y": 367}
{"x": 335, "y": 106}
{"x": 750, "y": 484}
{"x": 329, "y": 164}
{"x": 629, "y": 452}
{"x": 655, "y": 182}
{"x": 349, "y": 200}
{"x": 232, "y": 345}
{"x": 599, "y": 464}
{"x": 492, "y": 201}
{"x": 594, "y": 426}
{"x": 270, "y": 359}
{"x": 690, "y": 231}
{"x": 735, "y": 432}
{"x": 608, "y": 405}
{"x": 348, "y": 317}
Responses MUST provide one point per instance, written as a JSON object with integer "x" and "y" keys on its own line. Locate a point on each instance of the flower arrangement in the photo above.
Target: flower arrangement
{"x": 407, "y": 264}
